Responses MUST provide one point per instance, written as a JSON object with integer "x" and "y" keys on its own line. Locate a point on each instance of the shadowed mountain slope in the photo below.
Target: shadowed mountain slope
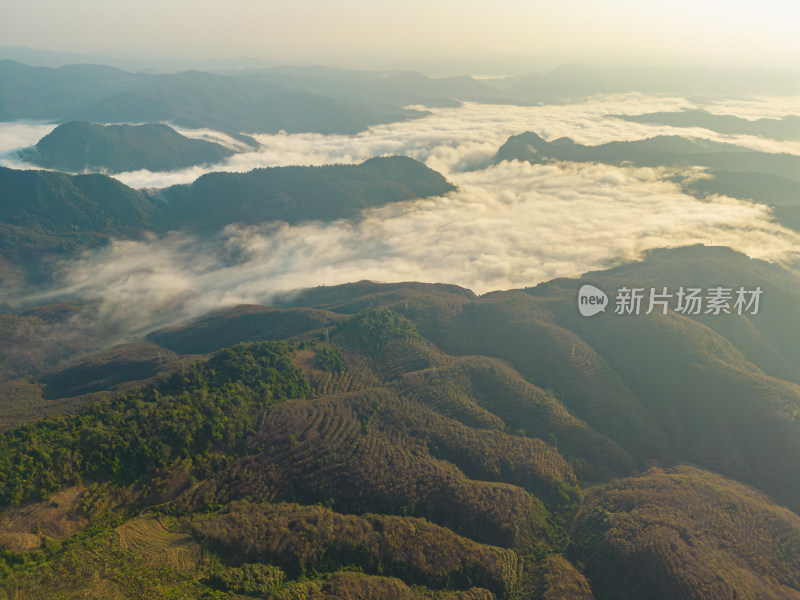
{"x": 46, "y": 215}
{"x": 77, "y": 146}
{"x": 652, "y": 152}
{"x": 787, "y": 128}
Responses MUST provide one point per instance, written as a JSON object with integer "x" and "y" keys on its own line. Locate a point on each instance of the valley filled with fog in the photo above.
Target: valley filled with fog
{"x": 507, "y": 225}
{"x": 288, "y": 330}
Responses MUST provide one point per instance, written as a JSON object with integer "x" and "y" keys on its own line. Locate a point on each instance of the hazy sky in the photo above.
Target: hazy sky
{"x": 454, "y": 35}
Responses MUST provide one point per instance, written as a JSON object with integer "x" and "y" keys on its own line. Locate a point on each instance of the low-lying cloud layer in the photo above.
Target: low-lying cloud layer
{"x": 449, "y": 139}
{"x": 463, "y": 138}
{"x": 15, "y": 136}
{"x": 510, "y": 225}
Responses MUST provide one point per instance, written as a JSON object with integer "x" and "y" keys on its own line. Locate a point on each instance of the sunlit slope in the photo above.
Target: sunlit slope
{"x": 768, "y": 339}
{"x": 355, "y": 455}
{"x": 687, "y": 533}
{"x": 488, "y": 392}
{"x": 708, "y": 390}
{"x": 442, "y": 504}
{"x": 718, "y": 408}
{"x": 396, "y": 448}
{"x": 615, "y": 393}
{"x": 409, "y": 547}
{"x": 513, "y": 326}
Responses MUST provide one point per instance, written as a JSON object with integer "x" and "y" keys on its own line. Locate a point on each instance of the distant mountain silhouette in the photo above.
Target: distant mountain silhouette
{"x": 230, "y": 103}
{"x": 735, "y": 171}
{"x": 787, "y": 128}
{"x": 77, "y": 146}
{"x": 577, "y": 81}
{"x": 323, "y": 99}
{"x": 652, "y": 152}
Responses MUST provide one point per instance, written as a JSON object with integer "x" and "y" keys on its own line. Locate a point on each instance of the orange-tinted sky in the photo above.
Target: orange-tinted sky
{"x": 452, "y": 35}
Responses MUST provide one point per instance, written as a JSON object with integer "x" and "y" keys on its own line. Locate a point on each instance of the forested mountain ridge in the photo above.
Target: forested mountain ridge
{"x": 652, "y": 152}
{"x": 408, "y": 440}
{"x": 47, "y": 215}
{"x": 295, "y": 194}
{"x": 77, "y": 146}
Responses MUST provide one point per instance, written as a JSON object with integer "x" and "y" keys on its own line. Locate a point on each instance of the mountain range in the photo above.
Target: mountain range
{"x": 323, "y": 99}
{"x": 405, "y": 440}
{"x": 730, "y": 169}
{"x": 46, "y": 215}
{"x": 786, "y": 128}
{"x": 193, "y": 99}
{"x": 399, "y": 441}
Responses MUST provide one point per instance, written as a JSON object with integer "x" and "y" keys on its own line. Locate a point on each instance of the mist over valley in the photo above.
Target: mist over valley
{"x": 296, "y": 313}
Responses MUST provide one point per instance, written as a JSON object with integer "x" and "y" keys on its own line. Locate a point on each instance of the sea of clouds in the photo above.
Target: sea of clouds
{"x": 449, "y": 139}
{"x": 506, "y": 226}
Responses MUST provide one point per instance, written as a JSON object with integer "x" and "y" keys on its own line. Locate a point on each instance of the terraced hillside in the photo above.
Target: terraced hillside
{"x": 688, "y": 533}
{"x": 469, "y": 511}
{"x": 719, "y": 391}
{"x": 152, "y": 538}
{"x": 413, "y": 441}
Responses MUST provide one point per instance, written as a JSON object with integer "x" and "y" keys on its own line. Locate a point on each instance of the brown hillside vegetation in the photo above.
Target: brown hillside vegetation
{"x": 688, "y": 533}
{"x": 562, "y": 581}
{"x": 490, "y": 385}
{"x": 345, "y": 452}
{"x": 720, "y": 411}
{"x": 152, "y": 538}
{"x": 296, "y": 537}
{"x": 24, "y": 528}
{"x": 663, "y": 389}
{"x": 348, "y": 585}
{"x": 411, "y": 441}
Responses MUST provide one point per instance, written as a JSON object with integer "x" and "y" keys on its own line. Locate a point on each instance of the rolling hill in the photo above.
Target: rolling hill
{"x": 46, "y": 215}
{"x": 687, "y": 533}
{"x": 416, "y": 441}
{"x": 295, "y": 194}
{"x": 79, "y": 146}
